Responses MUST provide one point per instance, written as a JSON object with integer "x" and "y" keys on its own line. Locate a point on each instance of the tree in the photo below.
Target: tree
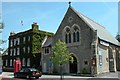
{"x": 118, "y": 37}
{"x": 1, "y": 41}
{"x": 61, "y": 55}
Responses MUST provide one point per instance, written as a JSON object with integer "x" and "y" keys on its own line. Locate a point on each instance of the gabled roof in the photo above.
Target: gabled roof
{"x": 102, "y": 33}
{"x": 47, "y": 42}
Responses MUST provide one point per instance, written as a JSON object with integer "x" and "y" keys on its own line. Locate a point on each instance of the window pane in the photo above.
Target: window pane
{"x": 74, "y": 37}
{"x": 11, "y": 62}
{"x": 18, "y": 53}
{"x": 18, "y": 41}
{"x": 24, "y": 40}
{"x": 77, "y": 36}
{"x": 10, "y": 52}
{"x": 11, "y": 43}
{"x": 28, "y": 38}
{"x": 66, "y": 38}
{"x": 28, "y": 62}
{"x": 23, "y": 49}
{"x": 14, "y": 42}
{"x": 23, "y": 61}
{"x": 14, "y": 51}
{"x": 47, "y": 50}
{"x": 6, "y": 62}
{"x": 28, "y": 49}
{"x": 69, "y": 38}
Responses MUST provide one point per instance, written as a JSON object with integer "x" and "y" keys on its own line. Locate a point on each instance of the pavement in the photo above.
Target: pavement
{"x": 105, "y": 76}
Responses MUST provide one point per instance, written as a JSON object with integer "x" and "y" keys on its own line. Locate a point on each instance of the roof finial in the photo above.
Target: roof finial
{"x": 69, "y": 4}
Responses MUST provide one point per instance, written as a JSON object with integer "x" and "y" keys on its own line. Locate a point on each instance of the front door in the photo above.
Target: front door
{"x": 73, "y": 66}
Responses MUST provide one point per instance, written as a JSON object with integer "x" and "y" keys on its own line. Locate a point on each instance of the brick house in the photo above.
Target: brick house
{"x": 24, "y": 45}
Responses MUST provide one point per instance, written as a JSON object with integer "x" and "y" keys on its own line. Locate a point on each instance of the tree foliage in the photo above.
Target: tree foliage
{"x": 118, "y": 39}
{"x": 60, "y": 54}
{"x": 1, "y": 41}
{"x": 37, "y": 38}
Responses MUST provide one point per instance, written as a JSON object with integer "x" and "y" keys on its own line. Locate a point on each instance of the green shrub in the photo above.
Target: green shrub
{"x": 84, "y": 71}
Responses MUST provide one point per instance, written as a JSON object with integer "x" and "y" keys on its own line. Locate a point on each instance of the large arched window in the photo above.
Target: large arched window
{"x": 76, "y": 33}
{"x": 67, "y": 35}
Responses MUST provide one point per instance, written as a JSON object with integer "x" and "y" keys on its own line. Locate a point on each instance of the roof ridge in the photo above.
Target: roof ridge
{"x": 93, "y": 20}
{"x": 102, "y": 32}
{"x": 79, "y": 13}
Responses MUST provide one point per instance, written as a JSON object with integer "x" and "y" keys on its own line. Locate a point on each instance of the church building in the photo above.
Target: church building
{"x": 94, "y": 49}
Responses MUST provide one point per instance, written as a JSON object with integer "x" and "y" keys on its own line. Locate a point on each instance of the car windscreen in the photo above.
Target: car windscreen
{"x": 33, "y": 70}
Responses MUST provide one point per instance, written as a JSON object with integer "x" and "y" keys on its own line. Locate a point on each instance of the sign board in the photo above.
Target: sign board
{"x": 100, "y": 58}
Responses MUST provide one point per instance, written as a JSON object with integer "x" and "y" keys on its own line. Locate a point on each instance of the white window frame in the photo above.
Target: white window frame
{"x": 23, "y": 49}
{"x": 18, "y": 51}
{"x": 23, "y": 62}
{"x": 28, "y": 49}
{"x": 28, "y": 62}
{"x": 14, "y": 52}
{"x": 14, "y": 42}
{"x": 6, "y": 62}
{"x": 24, "y": 39}
{"x": 17, "y": 39}
{"x": 10, "y": 62}
{"x": 11, "y": 50}
{"x": 28, "y": 38}
{"x": 11, "y": 43}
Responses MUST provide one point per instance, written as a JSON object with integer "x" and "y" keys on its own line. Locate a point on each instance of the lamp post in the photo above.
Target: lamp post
{"x": 60, "y": 71}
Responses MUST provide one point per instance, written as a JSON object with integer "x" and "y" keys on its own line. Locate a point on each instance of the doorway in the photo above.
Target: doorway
{"x": 73, "y": 66}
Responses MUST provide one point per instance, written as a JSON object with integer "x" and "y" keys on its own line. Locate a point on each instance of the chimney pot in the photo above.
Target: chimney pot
{"x": 12, "y": 33}
{"x": 35, "y": 26}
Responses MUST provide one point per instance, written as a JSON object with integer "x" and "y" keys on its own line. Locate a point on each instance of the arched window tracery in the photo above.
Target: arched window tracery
{"x": 76, "y": 34}
{"x": 67, "y": 35}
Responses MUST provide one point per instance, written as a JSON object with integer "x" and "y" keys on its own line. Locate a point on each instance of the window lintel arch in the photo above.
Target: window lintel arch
{"x": 75, "y": 27}
{"x": 67, "y": 29}
{"x": 67, "y": 34}
{"x": 76, "y": 33}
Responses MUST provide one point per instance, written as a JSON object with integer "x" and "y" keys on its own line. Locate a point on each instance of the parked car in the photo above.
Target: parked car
{"x": 28, "y": 73}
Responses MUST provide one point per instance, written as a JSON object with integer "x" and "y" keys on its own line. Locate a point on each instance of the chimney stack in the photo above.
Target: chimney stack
{"x": 12, "y": 33}
{"x": 35, "y": 26}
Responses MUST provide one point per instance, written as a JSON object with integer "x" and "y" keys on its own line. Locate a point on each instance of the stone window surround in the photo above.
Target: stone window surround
{"x": 67, "y": 34}
{"x": 71, "y": 32}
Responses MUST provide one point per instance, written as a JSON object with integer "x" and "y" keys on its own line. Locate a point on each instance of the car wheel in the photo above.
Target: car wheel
{"x": 15, "y": 75}
{"x": 27, "y": 76}
{"x": 36, "y": 77}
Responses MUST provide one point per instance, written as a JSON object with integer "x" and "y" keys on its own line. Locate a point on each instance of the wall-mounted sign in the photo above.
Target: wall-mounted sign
{"x": 100, "y": 58}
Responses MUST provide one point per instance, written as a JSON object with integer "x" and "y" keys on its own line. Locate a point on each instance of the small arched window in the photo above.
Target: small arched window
{"x": 67, "y": 35}
{"x": 76, "y": 34}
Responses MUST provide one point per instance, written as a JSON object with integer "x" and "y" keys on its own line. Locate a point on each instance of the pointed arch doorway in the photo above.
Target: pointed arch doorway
{"x": 73, "y": 66}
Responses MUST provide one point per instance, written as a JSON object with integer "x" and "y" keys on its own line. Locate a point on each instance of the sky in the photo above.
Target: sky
{"x": 50, "y": 14}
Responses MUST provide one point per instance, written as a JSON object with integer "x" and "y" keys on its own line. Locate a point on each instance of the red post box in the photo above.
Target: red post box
{"x": 17, "y": 65}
